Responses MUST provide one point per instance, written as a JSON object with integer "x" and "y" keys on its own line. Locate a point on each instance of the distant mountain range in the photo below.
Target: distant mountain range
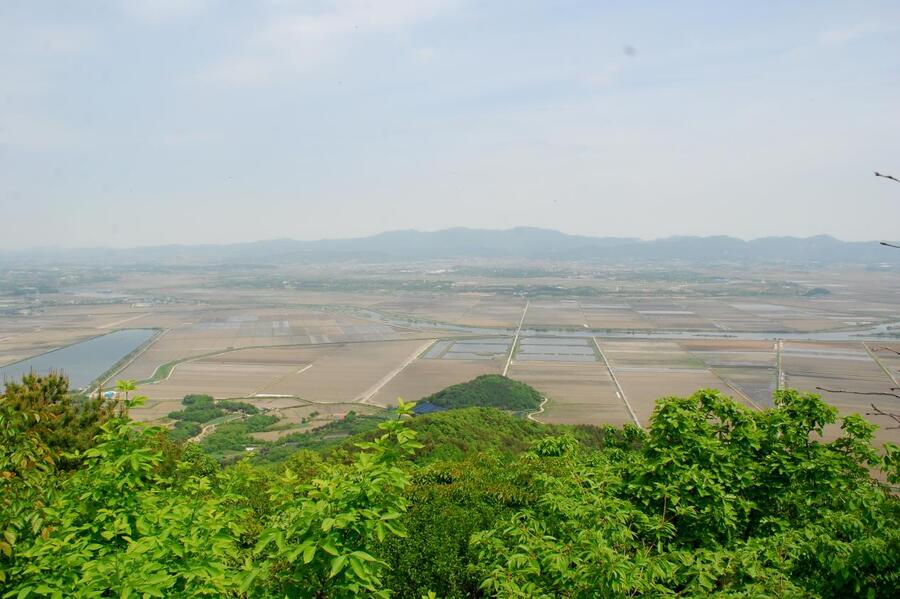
{"x": 462, "y": 243}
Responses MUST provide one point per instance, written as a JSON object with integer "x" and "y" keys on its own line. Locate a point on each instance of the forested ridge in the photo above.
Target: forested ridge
{"x": 711, "y": 499}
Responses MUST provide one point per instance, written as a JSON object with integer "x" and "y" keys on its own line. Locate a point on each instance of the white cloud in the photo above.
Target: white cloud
{"x": 292, "y": 40}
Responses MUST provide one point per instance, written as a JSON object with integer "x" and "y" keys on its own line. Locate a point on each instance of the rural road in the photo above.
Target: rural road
{"x": 620, "y": 393}
{"x": 370, "y": 393}
{"x": 512, "y": 348}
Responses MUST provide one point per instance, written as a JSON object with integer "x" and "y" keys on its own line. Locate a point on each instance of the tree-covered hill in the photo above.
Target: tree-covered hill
{"x": 713, "y": 499}
{"x": 488, "y": 391}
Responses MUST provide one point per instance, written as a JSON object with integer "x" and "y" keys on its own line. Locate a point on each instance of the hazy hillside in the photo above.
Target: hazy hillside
{"x": 516, "y": 243}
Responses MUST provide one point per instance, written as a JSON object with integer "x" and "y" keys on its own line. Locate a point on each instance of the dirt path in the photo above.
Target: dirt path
{"x": 540, "y": 410}
{"x": 209, "y": 428}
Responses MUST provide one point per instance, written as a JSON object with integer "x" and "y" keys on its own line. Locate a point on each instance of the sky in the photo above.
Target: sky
{"x": 141, "y": 122}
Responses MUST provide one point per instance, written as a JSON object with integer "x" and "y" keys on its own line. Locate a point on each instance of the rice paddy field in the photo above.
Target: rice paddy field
{"x": 599, "y": 356}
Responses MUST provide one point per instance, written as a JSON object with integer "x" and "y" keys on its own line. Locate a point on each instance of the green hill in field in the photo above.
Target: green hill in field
{"x": 487, "y": 391}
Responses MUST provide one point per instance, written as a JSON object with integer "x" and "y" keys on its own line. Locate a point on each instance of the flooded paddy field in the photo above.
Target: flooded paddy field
{"x": 85, "y": 361}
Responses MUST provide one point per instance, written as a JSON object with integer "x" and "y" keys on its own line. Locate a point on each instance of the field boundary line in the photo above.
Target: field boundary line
{"x": 123, "y": 321}
{"x": 616, "y": 381}
{"x": 219, "y": 352}
{"x": 779, "y": 366}
{"x": 147, "y": 345}
{"x": 728, "y": 383}
{"x": 282, "y": 377}
{"x": 736, "y": 389}
{"x": 371, "y": 391}
{"x": 880, "y": 364}
{"x": 512, "y": 348}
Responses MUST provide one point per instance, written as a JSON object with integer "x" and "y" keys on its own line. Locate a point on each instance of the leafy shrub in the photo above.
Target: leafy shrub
{"x": 237, "y": 406}
{"x": 197, "y": 399}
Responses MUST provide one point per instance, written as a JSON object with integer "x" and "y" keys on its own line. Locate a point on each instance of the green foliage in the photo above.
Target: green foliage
{"x": 26, "y": 479}
{"x": 200, "y": 415}
{"x": 325, "y": 534}
{"x": 488, "y": 390}
{"x": 64, "y": 422}
{"x": 184, "y": 430}
{"x": 449, "y": 502}
{"x": 234, "y": 437}
{"x": 124, "y": 524}
{"x": 200, "y": 408}
{"x": 197, "y": 399}
{"x": 718, "y": 500}
{"x": 326, "y": 437}
{"x": 456, "y": 434}
{"x": 238, "y": 406}
{"x": 712, "y": 500}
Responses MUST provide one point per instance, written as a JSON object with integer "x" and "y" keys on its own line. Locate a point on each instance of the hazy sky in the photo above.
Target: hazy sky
{"x": 139, "y": 122}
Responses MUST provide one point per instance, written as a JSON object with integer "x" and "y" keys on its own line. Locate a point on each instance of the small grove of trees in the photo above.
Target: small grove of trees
{"x": 713, "y": 499}
{"x": 490, "y": 391}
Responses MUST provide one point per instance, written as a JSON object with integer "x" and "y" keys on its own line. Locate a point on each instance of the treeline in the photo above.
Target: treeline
{"x": 712, "y": 500}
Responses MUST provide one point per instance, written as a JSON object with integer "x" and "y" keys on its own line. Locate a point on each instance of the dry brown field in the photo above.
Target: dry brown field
{"x": 424, "y": 377}
{"x": 564, "y": 313}
{"x": 494, "y": 312}
{"x": 654, "y": 355}
{"x": 219, "y": 331}
{"x": 643, "y": 388}
{"x": 614, "y": 315}
{"x": 747, "y": 365}
{"x": 577, "y": 393}
{"x": 349, "y": 372}
{"x": 436, "y": 308}
{"x": 217, "y": 379}
{"x": 840, "y": 367}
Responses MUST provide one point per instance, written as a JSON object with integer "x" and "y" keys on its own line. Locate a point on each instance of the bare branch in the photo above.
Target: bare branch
{"x": 890, "y": 349}
{"x": 880, "y": 393}
{"x": 879, "y": 412}
{"x": 892, "y": 178}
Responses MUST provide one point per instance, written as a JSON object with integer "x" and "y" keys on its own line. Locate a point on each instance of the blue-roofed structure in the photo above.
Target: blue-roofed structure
{"x": 426, "y": 407}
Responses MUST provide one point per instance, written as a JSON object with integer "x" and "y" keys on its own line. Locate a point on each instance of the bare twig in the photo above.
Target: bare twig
{"x": 881, "y": 393}
{"x": 891, "y": 177}
{"x": 879, "y": 412}
{"x": 890, "y": 245}
{"x": 890, "y": 349}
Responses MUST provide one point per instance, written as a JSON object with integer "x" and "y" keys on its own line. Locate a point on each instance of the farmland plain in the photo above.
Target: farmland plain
{"x": 600, "y": 343}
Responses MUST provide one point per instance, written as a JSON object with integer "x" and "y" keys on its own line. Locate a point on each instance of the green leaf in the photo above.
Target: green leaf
{"x": 337, "y": 564}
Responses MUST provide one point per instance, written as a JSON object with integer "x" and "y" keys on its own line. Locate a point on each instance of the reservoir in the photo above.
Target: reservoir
{"x": 82, "y": 362}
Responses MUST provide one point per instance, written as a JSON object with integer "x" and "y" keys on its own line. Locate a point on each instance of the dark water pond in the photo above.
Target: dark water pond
{"x": 82, "y": 362}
